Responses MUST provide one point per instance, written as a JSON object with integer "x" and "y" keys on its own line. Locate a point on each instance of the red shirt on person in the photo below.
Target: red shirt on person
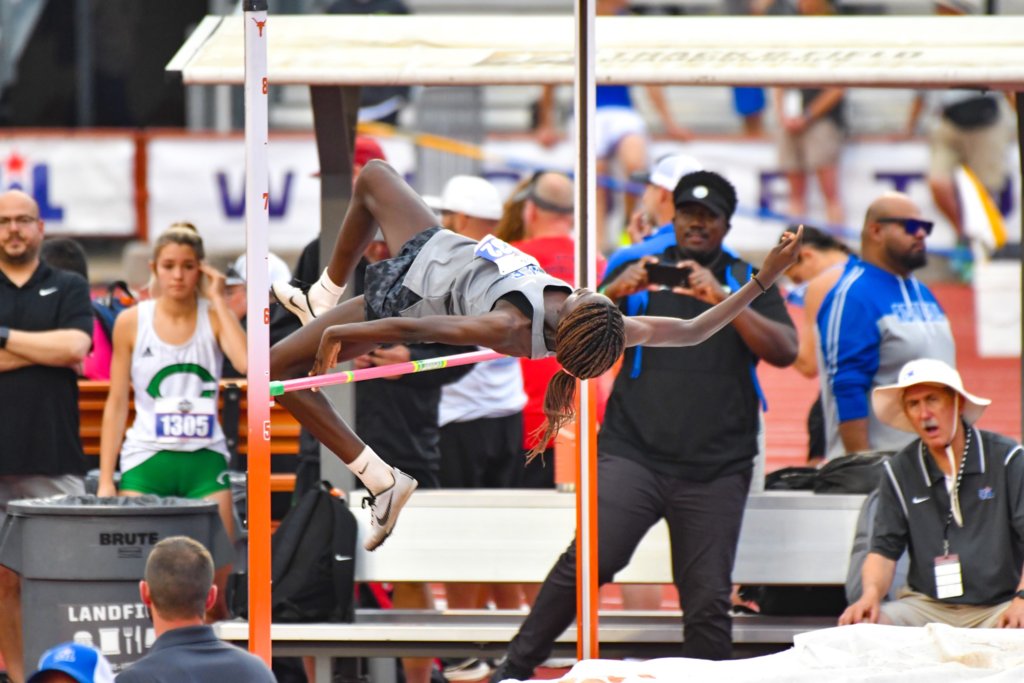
{"x": 556, "y": 255}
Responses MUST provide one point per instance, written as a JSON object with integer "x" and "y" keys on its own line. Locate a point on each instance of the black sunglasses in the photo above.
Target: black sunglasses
{"x": 911, "y": 225}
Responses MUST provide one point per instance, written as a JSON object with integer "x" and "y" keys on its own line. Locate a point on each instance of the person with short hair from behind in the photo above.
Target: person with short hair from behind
{"x": 954, "y": 499}
{"x": 178, "y": 590}
{"x": 73, "y": 663}
{"x": 45, "y": 326}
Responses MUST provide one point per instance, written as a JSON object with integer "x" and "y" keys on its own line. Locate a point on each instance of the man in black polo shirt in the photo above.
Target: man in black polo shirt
{"x": 679, "y": 435}
{"x": 955, "y": 497}
{"x": 45, "y": 331}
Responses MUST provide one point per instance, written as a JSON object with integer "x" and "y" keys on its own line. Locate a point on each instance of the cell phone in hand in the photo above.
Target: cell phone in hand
{"x": 667, "y": 275}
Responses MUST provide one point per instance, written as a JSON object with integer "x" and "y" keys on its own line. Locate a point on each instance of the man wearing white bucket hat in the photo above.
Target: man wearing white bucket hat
{"x": 955, "y": 497}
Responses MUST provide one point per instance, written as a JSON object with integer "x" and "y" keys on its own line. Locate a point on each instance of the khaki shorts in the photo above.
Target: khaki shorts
{"x": 983, "y": 150}
{"x": 916, "y": 609}
{"x": 819, "y": 146}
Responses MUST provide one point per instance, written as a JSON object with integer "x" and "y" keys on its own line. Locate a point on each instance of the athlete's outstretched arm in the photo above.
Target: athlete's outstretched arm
{"x": 661, "y": 331}
{"x": 494, "y": 330}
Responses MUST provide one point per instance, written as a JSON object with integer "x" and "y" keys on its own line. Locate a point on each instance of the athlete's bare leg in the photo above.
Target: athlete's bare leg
{"x": 380, "y": 197}
{"x": 293, "y": 357}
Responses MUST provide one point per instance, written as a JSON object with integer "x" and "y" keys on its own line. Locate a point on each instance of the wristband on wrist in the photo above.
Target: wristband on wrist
{"x": 5, "y": 333}
{"x": 1019, "y": 594}
{"x": 764, "y": 290}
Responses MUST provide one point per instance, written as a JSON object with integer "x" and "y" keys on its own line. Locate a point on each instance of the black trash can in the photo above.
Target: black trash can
{"x": 81, "y": 558}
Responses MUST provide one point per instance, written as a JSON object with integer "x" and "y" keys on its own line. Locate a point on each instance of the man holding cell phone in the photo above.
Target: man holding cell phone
{"x": 680, "y": 433}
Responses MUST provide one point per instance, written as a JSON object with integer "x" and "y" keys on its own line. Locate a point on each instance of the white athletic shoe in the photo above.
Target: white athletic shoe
{"x": 385, "y": 506}
{"x": 295, "y": 300}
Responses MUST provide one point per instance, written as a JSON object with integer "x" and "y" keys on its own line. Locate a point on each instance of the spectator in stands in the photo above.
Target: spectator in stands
{"x": 955, "y": 497}
{"x": 689, "y": 459}
{"x": 234, "y": 282}
{"x": 813, "y": 125}
{"x": 819, "y": 264}
{"x": 282, "y": 323}
{"x": 442, "y": 287}
{"x": 620, "y": 129}
{"x": 481, "y": 416}
{"x": 877, "y": 318}
{"x": 470, "y": 206}
{"x": 73, "y": 663}
{"x": 510, "y": 226}
{"x": 170, "y": 351}
{"x": 381, "y": 103}
{"x": 971, "y": 128}
{"x": 178, "y": 590}
{"x": 65, "y": 253}
{"x": 650, "y": 228}
{"x": 45, "y": 326}
{"x": 548, "y": 221}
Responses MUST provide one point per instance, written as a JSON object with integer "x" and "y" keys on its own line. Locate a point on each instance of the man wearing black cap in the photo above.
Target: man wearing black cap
{"x": 680, "y": 433}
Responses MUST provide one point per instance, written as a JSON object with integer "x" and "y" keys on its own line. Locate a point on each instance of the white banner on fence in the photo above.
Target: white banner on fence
{"x": 201, "y": 180}
{"x": 85, "y": 186}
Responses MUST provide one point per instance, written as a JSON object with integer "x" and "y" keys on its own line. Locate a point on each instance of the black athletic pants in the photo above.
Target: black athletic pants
{"x": 704, "y": 524}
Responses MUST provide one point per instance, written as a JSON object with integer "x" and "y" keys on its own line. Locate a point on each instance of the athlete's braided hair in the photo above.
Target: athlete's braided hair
{"x": 587, "y": 343}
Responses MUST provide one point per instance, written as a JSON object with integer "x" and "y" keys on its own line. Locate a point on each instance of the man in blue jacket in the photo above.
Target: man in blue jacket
{"x": 877, "y": 318}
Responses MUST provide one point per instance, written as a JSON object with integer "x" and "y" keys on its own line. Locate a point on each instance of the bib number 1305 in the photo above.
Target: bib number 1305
{"x": 178, "y": 419}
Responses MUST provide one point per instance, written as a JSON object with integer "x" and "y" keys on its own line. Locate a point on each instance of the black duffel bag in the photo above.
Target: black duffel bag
{"x": 853, "y": 473}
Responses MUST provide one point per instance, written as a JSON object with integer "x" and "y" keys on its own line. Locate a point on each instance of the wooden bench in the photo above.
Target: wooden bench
{"x": 794, "y": 538}
{"x": 284, "y": 435}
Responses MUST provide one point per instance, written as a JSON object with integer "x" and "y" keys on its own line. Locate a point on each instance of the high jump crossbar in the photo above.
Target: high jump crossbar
{"x": 278, "y": 387}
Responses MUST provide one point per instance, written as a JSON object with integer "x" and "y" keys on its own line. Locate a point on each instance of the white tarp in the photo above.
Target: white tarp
{"x": 862, "y": 653}
{"x": 523, "y": 49}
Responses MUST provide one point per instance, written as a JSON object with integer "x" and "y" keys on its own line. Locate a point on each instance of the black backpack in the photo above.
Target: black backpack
{"x": 312, "y": 563}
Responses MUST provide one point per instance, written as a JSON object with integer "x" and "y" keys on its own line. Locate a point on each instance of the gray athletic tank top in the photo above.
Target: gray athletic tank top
{"x": 455, "y": 275}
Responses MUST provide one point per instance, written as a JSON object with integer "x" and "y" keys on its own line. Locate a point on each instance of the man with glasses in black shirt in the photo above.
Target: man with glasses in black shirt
{"x": 45, "y": 332}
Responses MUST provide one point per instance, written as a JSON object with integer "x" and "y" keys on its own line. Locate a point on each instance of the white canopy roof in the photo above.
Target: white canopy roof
{"x": 523, "y": 49}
